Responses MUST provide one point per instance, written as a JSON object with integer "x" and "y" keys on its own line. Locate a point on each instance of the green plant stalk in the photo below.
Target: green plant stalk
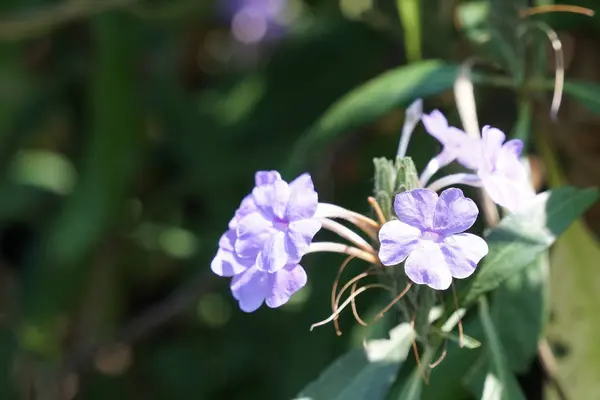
{"x": 409, "y": 12}
{"x": 59, "y": 270}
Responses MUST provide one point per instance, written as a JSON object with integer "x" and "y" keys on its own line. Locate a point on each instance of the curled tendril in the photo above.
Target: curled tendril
{"x": 348, "y": 301}
{"x": 441, "y": 357}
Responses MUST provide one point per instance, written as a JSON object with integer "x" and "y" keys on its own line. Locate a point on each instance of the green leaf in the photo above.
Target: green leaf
{"x": 586, "y": 93}
{"x": 363, "y": 374}
{"x": 520, "y": 312}
{"x": 370, "y": 101}
{"x": 522, "y": 236}
{"x": 492, "y": 377}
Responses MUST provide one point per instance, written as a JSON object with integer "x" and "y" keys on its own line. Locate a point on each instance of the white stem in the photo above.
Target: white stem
{"x": 366, "y": 224}
{"x": 455, "y": 179}
{"x": 333, "y": 247}
{"x": 346, "y": 233}
{"x": 432, "y": 167}
{"x": 411, "y": 119}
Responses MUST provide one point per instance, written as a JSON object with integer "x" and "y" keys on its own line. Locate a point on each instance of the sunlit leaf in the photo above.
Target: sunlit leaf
{"x": 363, "y": 374}
{"x": 370, "y": 101}
{"x": 522, "y": 236}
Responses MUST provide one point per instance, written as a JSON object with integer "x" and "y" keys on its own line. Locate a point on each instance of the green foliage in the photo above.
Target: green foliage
{"x": 521, "y": 237}
{"x": 395, "y": 88}
{"x": 130, "y": 131}
{"x": 363, "y": 373}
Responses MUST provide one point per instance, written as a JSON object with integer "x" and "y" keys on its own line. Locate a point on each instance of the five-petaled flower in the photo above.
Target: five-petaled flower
{"x": 502, "y": 174}
{"x": 270, "y": 232}
{"x": 428, "y": 235}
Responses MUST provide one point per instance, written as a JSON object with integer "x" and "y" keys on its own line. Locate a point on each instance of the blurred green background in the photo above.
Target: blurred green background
{"x": 130, "y": 131}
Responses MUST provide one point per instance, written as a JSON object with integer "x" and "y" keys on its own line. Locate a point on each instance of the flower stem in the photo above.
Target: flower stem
{"x": 455, "y": 179}
{"x": 366, "y": 224}
{"x": 346, "y": 233}
{"x": 333, "y": 247}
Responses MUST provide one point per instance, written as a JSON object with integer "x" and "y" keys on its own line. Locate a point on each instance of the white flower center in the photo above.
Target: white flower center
{"x": 432, "y": 236}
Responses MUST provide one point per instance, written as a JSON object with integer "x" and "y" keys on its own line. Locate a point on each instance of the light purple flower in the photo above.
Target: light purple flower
{"x": 227, "y": 262}
{"x": 457, "y": 144}
{"x": 254, "y": 20}
{"x": 253, "y": 287}
{"x": 280, "y": 231}
{"x": 502, "y": 175}
{"x": 268, "y": 235}
{"x": 428, "y": 235}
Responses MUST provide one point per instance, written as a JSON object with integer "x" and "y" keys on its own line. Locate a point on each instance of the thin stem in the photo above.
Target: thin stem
{"x": 455, "y": 179}
{"x": 366, "y": 224}
{"x": 442, "y": 356}
{"x": 556, "y": 8}
{"x": 461, "y": 336}
{"x": 346, "y": 233}
{"x": 353, "y": 304}
{"x": 431, "y": 168}
{"x": 550, "y": 367}
{"x": 348, "y": 300}
{"x": 355, "y": 280}
{"x": 377, "y": 208}
{"x": 334, "y": 293}
{"x": 333, "y": 247}
{"x": 391, "y": 304}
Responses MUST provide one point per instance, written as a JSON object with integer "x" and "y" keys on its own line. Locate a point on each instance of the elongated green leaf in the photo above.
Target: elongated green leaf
{"x": 521, "y": 237}
{"x": 520, "y": 311}
{"x": 586, "y": 93}
{"x": 363, "y": 374}
{"x": 492, "y": 379}
{"x": 370, "y": 101}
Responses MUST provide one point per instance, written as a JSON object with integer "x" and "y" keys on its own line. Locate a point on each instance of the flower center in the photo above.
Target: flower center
{"x": 432, "y": 236}
{"x": 280, "y": 224}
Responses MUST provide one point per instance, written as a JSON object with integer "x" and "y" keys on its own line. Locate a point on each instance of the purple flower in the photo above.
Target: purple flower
{"x": 428, "y": 235}
{"x": 280, "y": 231}
{"x": 457, "y": 144}
{"x": 227, "y": 262}
{"x": 502, "y": 175}
{"x": 268, "y": 235}
{"x": 254, "y": 20}
{"x": 253, "y": 287}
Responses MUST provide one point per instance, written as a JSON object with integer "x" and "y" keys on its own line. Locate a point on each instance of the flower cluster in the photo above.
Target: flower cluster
{"x": 267, "y": 237}
{"x": 274, "y": 226}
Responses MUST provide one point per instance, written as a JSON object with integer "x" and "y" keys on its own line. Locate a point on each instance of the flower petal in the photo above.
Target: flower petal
{"x": 462, "y": 252}
{"x": 298, "y": 238}
{"x": 253, "y": 231}
{"x": 250, "y": 289}
{"x": 454, "y": 213}
{"x": 246, "y": 207}
{"x": 436, "y": 125}
{"x": 272, "y": 199}
{"x": 426, "y": 266}
{"x": 416, "y": 207}
{"x": 509, "y": 164}
{"x": 303, "y": 199}
{"x": 508, "y": 193}
{"x": 273, "y": 255}
{"x": 227, "y": 264}
{"x": 491, "y": 143}
{"x": 397, "y": 241}
{"x": 266, "y": 177}
{"x": 284, "y": 283}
